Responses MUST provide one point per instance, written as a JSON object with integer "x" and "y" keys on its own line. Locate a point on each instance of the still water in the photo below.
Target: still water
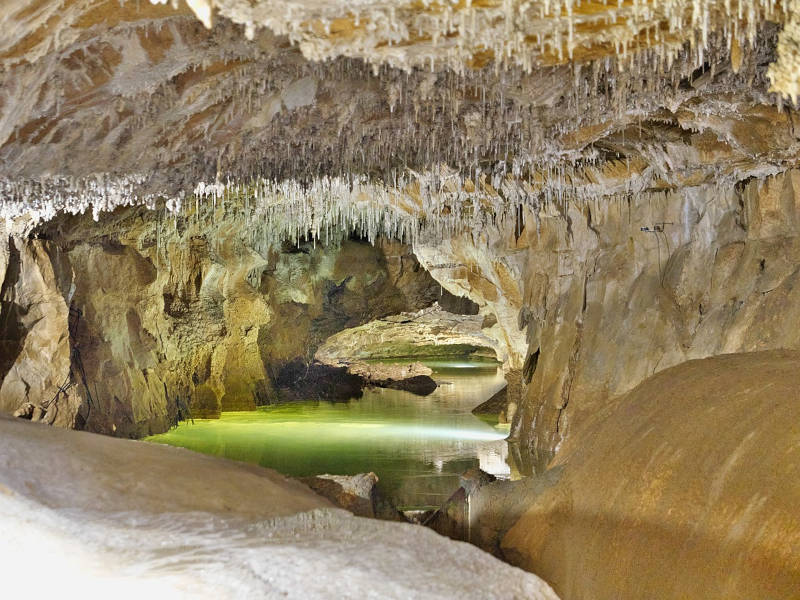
{"x": 416, "y": 445}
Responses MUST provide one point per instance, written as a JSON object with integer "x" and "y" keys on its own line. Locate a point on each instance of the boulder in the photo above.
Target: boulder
{"x": 421, "y": 385}
{"x": 388, "y": 371}
{"x": 411, "y": 377}
{"x": 454, "y": 519}
{"x": 686, "y": 487}
{"x": 357, "y": 493}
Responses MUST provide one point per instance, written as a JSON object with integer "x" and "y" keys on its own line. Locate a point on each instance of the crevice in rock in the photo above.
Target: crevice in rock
{"x": 529, "y": 368}
{"x": 12, "y": 331}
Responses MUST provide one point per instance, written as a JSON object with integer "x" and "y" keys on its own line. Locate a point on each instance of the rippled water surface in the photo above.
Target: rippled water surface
{"x": 416, "y": 445}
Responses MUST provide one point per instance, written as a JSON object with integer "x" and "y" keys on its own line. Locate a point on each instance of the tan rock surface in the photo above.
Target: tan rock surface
{"x": 103, "y": 104}
{"x": 686, "y": 487}
{"x": 127, "y": 518}
{"x": 79, "y": 470}
{"x": 607, "y": 305}
{"x": 429, "y": 332}
{"x": 173, "y": 313}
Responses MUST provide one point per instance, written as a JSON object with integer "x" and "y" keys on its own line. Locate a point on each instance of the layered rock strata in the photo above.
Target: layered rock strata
{"x": 430, "y": 332}
{"x": 609, "y": 294}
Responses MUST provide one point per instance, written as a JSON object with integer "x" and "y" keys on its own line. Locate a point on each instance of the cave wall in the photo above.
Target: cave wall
{"x": 35, "y": 350}
{"x": 173, "y": 312}
{"x": 588, "y": 304}
{"x": 583, "y": 304}
{"x": 607, "y": 305}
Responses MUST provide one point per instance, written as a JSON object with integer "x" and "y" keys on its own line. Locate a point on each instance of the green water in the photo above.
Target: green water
{"x": 416, "y": 445}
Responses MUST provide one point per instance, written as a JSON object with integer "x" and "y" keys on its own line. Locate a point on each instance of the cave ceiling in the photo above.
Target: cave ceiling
{"x": 453, "y": 109}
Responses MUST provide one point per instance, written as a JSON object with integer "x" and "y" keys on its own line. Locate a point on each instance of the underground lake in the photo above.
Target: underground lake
{"x": 416, "y": 445}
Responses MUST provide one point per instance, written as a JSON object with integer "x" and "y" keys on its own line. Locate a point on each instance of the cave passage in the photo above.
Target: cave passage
{"x": 417, "y": 445}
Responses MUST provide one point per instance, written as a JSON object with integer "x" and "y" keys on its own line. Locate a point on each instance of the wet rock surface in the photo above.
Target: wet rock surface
{"x": 455, "y": 517}
{"x": 166, "y": 521}
{"x": 413, "y": 377}
{"x": 297, "y": 380}
{"x": 495, "y": 409}
{"x": 597, "y": 195}
{"x": 593, "y": 299}
{"x": 421, "y": 385}
{"x": 623, "y": 303}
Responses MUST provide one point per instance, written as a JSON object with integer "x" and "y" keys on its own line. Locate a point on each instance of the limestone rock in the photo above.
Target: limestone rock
{"x": 455, "y": 517}
{"x": 137, "y": 318}
{"x": 609, "y": 305}
{"x": 495, "y": 408}
{"x": 36, "y": 353}
{"x": 420, "y": 112}
{"x": 421, "y": 385}
{"x": 385, "y": 371}
{"x": 24, "y": 412}
{"x": 223, "y": 526}
{"x": 430, "y": 332}
{"x": 414, "y": 377}
{"x": 358, "y": 494}
{"x": 676, "y": 489}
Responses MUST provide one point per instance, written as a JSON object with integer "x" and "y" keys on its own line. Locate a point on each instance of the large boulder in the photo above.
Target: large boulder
{"x": 686, "y": 487}
{"x": 106, "y": 514}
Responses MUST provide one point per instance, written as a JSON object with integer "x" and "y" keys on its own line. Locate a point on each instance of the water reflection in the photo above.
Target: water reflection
{"x": 417, "y": 445}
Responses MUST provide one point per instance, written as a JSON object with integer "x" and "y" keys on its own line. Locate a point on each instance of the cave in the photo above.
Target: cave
{"x": 400, "y": 299}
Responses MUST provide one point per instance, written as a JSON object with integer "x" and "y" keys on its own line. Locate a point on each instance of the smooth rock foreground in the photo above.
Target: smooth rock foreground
{"x": 122, "y": 518}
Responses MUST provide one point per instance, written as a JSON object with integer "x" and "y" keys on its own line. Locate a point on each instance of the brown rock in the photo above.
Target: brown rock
{"x": 495, "y": 408}
{"x": 686, "y": 487}
{"x": 357, "y": 493}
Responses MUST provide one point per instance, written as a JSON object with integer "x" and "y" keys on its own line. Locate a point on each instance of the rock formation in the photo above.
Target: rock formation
{"x": 495, "y": 409}
{"x": 199, "y": 196}
{"x": 415, "y": 377}
{"x": 358, "y": 494}
{"x": 430, "y": 332}
{"x": 101, "y": 508}
{"x": 136, "y": 316}
{"x": 685, "y": 487}
{"x": 610, "y": 304}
